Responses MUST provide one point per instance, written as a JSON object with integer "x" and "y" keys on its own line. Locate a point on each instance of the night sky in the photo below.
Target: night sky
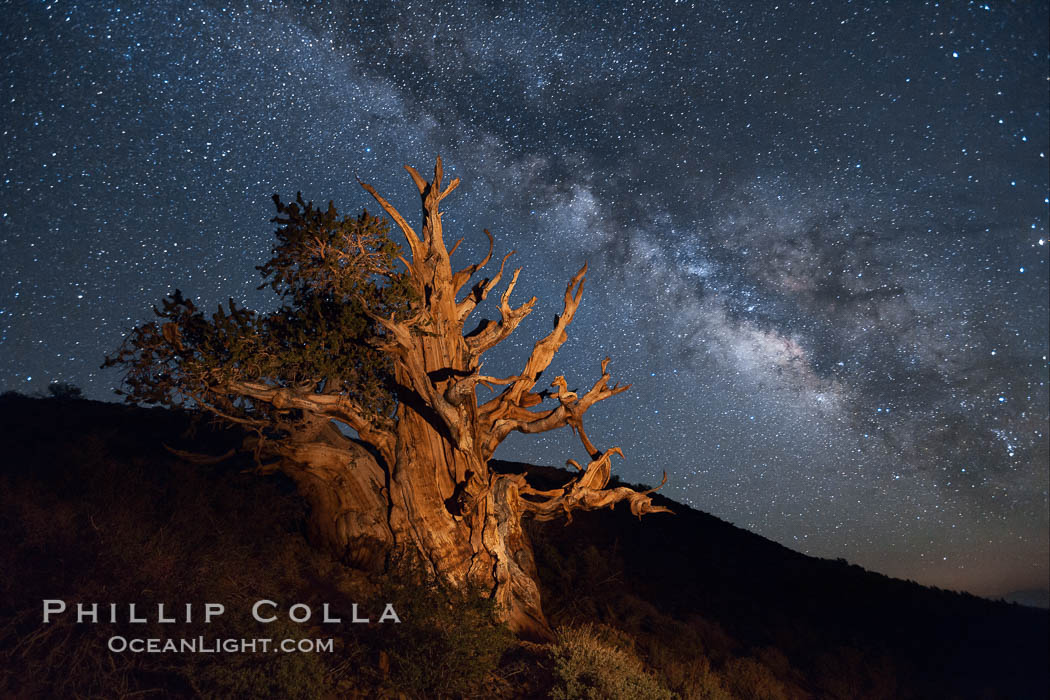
{"x": 817, "y": 232}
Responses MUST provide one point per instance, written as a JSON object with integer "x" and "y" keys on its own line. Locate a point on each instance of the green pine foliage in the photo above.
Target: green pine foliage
{"x": 333, "y": 275}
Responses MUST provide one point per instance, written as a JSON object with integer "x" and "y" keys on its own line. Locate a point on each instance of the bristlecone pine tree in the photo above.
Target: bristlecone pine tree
{"x": 374, "y": 341}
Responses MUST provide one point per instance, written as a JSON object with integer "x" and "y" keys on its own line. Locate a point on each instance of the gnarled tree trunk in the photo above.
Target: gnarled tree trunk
{"x": 424, "y": 486}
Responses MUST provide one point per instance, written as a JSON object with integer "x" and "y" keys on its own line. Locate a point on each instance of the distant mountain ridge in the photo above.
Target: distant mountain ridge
{"x": 1035, "y": 598}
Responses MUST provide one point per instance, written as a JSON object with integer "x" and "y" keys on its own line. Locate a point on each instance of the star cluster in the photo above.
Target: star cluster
{"x": 816, "y": 232}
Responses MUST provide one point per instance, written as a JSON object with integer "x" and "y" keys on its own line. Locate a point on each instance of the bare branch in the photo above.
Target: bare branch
{"x": 587, "y": 444}
{"x": 448, "y": 190}
{"x": 464, "y": 275}
{"x": 439, "y": 172}
{"x": 203, "y": 400}
{"x": 433, "y": 245}
{"x": 377, "y": 432}
{"x": 491, "y": 335}
{"x": 544, "y": 350}
{"x": 481, "y": 289}
{"x": 460, "y": 390}
{"x": 399, "y": 333}
{"x": 587, "y": 492}
{"x": 657, "y": 488}
{"x": 503, "y": 415}
{"x": 421, "y": 184}
{"x": 414, "y": 243}
{"x": 198, "y": 458}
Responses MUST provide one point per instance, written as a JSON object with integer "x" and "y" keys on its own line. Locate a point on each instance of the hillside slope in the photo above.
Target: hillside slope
{"x": 95, "y": 510}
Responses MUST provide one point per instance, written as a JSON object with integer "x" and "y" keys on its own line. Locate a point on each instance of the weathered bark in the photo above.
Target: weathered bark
{"x": 424, "y": 488}
{"x": 357, "y": 518}
{"x": 345, "y": 488}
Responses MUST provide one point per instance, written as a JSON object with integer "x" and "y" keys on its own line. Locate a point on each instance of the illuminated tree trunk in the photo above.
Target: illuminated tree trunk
{"x": 424, "y": 486}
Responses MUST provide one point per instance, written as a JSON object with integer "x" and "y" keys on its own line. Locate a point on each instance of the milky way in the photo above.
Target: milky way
{"x": 816, "y": 234}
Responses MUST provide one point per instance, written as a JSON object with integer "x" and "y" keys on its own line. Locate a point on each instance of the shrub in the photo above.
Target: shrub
{"x": 596, "y": 662}
{"x": 749, "y": 679}
{"x": 448, "y": 643}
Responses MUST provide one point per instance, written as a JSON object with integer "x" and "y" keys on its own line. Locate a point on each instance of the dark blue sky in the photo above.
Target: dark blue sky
{"x": 817, "y": 232}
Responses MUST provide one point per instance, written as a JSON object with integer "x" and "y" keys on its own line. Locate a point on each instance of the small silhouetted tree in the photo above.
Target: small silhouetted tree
{"x": 377, "y": 341}
{"x": 62, "y": 390}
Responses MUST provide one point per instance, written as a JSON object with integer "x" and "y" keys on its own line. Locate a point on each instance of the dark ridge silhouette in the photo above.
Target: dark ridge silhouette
{"x": 94, "y": 509}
